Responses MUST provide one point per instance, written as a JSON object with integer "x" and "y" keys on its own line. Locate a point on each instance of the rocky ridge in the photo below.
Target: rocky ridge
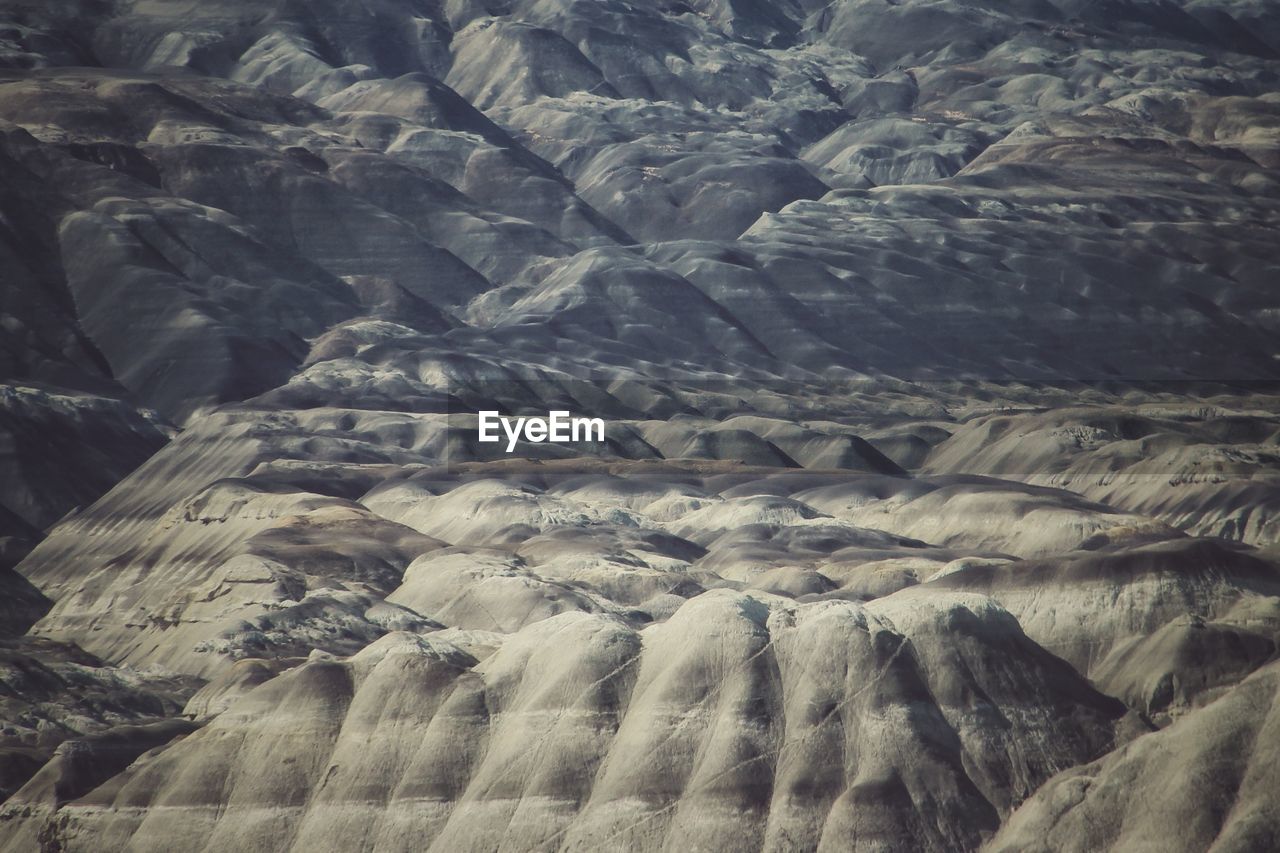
{"x": 936, "y": 342}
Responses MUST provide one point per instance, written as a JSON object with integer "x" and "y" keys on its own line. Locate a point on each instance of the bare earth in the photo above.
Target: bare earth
{"x": 938, "y": 344}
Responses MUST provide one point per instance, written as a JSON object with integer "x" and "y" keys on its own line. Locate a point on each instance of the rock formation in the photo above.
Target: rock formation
{"x": 936, "y": 342}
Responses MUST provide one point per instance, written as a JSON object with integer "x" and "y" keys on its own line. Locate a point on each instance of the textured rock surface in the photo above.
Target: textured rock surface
{"x": 1152, "y": 794}
{"x": 738, "y": 715}
{"x": 938, "y": 347}
{"x": 53, "y": 694}
{"x": 1207, "y": 469}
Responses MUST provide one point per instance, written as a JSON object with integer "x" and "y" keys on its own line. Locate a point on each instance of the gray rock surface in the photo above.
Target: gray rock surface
{"x": 1152, "y": 793}
{"x": 724, "y": 719}
{"x": 937, "y": 345}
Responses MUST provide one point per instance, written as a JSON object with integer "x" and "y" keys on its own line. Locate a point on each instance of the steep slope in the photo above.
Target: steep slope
{"x": 722, "y": 720}
{"x": 1151, "y": 794}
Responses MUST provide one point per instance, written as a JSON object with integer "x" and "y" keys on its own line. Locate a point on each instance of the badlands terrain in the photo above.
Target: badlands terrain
{"x": 938, "y": 343}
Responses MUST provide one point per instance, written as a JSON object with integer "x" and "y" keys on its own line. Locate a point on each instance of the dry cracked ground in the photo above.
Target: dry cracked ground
{"x": 939, "y": 347}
